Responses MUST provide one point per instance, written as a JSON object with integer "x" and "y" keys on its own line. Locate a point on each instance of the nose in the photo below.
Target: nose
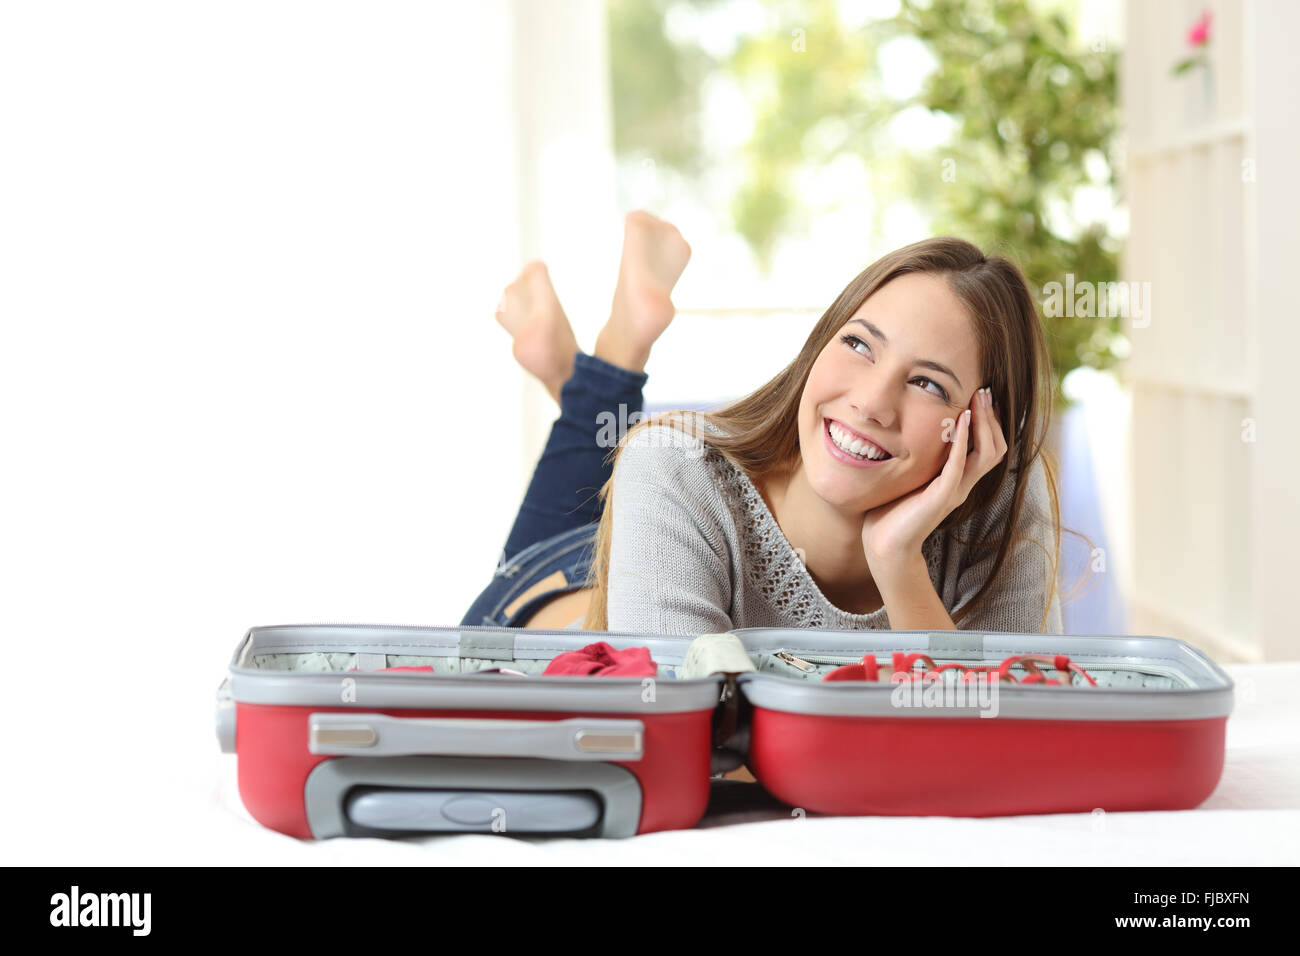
{"x": 874, "y": 400}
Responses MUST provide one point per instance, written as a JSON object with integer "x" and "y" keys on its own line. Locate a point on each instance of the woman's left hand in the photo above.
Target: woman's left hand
{"x": 893, "y": 533}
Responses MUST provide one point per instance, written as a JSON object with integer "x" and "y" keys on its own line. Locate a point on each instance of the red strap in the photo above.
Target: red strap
{"x": 869, "y": 669}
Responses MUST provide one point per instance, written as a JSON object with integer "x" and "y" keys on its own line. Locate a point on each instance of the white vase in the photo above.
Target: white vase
{"x": 1207, "y": 91}
{"x": 1198, "y": 96}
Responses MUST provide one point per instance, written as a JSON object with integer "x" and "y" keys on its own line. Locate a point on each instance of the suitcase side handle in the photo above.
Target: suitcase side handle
{"x": 381, "y": 735}
{"x": 226, "y": 718}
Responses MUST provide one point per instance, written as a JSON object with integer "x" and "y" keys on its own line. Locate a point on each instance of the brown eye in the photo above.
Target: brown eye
{"x": 942, "y": 393}
{"x": 852, "y": 341}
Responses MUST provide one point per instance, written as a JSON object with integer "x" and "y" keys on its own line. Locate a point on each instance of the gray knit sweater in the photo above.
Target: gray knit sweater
{"x": 695, "y": 550}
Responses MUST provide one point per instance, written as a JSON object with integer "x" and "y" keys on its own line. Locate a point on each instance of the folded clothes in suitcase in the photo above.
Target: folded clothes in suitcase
{"x": 342, "y": 730}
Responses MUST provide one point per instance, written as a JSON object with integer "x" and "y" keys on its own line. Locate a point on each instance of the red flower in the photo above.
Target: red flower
{"x": 1199, "y": 34}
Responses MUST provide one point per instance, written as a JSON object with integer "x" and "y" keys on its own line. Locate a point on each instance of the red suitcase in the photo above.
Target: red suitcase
{"x": 325, "y": 751}
{"x": 1149, "y": 736}
{"x": 327, "y": 746}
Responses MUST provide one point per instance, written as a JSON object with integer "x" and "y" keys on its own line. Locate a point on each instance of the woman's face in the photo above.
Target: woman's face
{"x": 884, "y": 383}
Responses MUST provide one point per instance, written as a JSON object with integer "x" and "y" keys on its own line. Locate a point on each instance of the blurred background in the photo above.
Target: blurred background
{"x": 251, "y": 253}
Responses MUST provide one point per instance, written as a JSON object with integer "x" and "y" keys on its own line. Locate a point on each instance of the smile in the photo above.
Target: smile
{"x": 842, "y": 448}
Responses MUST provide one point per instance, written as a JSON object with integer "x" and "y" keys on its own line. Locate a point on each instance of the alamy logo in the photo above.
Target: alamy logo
{"x": 929, "y": 689}
{"x": 611, "y": 430}
{"x": 1129, "y": 300}
{"x": 102, "y": 909}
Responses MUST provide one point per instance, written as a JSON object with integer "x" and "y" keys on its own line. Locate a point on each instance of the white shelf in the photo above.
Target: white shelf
{"x": 1222, "y": 389}
{"x": 1201, "y": 528}
{"x": 1192, "y": 139}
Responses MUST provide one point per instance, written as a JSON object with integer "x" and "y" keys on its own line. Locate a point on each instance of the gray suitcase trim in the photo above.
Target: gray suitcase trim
{"x": 478, "y": 641}
{"x": 381, "y": 735}
{"x": 368, "y": 691}
{"x": 329, "y": 783}
{"x": 611, "y": 695}
{"x": 1206, "y": 691}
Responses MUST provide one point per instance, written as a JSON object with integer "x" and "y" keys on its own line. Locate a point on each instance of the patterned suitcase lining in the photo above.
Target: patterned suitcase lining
{"x": 1137, "y": 675}
{"x": 1142, "y": 676}
{"x": 331, "y": 662}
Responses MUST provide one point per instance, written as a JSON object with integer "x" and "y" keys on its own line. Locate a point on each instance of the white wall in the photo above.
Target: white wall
{"x": 565, "y": 183}
{"x": 249, "y": 254}
{"x": 248, "y": 260}
{"x": 1273, "y": 76}
{"x": 1214, "y": 201}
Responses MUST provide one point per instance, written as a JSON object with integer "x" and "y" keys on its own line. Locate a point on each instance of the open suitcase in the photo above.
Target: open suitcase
{"x": 328, "y": 747}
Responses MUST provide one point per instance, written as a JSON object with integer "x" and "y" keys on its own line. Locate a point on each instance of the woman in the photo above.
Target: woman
{"x": 877, "y": 482}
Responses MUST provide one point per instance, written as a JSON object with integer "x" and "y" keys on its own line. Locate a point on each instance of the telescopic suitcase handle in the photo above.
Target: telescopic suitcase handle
{"x": 381, "y": 735}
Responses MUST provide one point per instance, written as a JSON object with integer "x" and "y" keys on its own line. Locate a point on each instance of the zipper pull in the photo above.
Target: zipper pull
{"x": 795, "y": 661}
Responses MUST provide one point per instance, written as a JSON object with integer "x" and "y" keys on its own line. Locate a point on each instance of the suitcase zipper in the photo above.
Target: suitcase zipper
{"x": 790, "y": 659}
{"x": 807, "y": 664}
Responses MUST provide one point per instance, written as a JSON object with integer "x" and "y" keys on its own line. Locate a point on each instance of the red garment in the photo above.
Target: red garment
{"x": 867, "y": 670}
{"x": 601, "y": 660}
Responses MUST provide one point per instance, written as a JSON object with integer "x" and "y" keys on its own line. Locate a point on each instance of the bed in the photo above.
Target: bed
{"x": 1252, "y": 818}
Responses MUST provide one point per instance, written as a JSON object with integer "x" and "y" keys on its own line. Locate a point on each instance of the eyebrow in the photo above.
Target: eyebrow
{"x": 924, "y": 363}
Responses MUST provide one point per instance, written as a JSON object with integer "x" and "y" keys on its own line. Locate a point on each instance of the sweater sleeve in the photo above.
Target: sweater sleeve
{"x": 1016, "y": 601}
{"x": 668, "y": 561}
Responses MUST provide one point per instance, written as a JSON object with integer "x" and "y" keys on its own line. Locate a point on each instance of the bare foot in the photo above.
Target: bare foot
{"x": 544, "y": 342}
{"x": 654, "y": 255}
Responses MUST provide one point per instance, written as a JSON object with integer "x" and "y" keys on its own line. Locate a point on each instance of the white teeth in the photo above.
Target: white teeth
{"x": 855, "y": 446}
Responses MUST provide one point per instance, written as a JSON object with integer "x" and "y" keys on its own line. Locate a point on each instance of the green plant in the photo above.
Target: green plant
{"x": 1031, "y": 103}
{"x": 655, "y": 86}
{"x": 1033, "y": 110}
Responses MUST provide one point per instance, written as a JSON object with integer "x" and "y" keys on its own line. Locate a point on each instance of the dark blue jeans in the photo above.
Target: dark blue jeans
{"x": 553, "y": 537}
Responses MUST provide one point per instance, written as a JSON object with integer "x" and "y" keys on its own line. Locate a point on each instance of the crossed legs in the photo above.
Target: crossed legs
{"x": 563, "y": 492}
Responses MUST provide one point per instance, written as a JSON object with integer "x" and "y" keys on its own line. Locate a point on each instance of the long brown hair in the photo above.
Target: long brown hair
{"x": 761, "y": 430}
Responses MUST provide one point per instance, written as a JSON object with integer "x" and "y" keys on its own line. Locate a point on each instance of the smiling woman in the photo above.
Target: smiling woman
{"x": 891, "y": 476}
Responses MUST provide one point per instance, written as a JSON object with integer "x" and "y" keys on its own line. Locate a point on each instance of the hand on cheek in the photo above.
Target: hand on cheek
{"x": 893, "y": 532}
{"x": 986, "y": 438}
{"x": 983, "y": 414}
